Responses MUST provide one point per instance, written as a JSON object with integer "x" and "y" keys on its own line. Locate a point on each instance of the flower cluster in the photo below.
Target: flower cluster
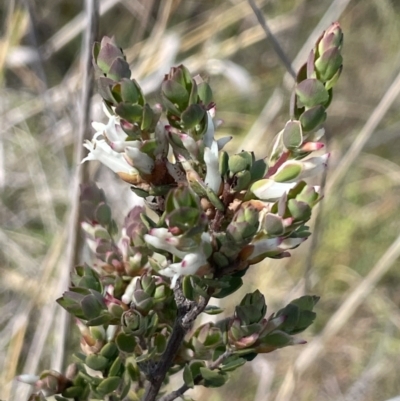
{"x": 205, "y": 218}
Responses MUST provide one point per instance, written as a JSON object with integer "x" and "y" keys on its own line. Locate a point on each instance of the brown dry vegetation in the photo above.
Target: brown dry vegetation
{"x": 351, "y": 261}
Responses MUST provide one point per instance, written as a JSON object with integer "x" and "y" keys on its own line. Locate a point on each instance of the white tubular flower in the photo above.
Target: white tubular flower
{"x": 111, "y": 332}
{"x": 263, "y": 246}
{"x": 113, "y": 134}
{"x": 290, "y": 243}
{"x": 161, "y": 238}
{"x": 161, "y": 140}
{"x": 295, "y": 170}
{"x": 223, "y": 141}
{"x": 130, "y": 289}
{"x": 208, "y": 137}
{"x": 28, "y": 379}
{"x": 269, "y": 190}
{"x": 188, "y": 265}
{"x": 140, "y": 160}
{"x": 101, "y": 151}
{"x": 190, "y": 145}
{"x": 213, "y": 177}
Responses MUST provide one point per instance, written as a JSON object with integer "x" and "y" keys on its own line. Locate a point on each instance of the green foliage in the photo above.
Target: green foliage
{"x": 214, "y": 215}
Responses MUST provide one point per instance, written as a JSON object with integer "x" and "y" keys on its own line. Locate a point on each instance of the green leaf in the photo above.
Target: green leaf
{"x": 306, "y": 302}
{"x": 126, "y": 388}
{"x": 133, "y": 371}
{"x": 223, "y": 162}
{"x": 116, "y": 368}
{"x": 187, "y": 288}
{"x": 232, "y": 364}
{"x": 96, "y": 362}
{"x": 305, "y": 320}
{"x": 187, "y": 376}
{"x": 243, "y": 179}
{"x": 147, "y": 119}
{"x": 91, "y": 306}
{"x": 192, "y": 116}
{"x": 234, "y": 284}
{"x": 239, "y": 162}
{"x": 258, "y": 170}
{"x": 106, "y": 56}
{"x": 108, "y": 385}
{"x": 103, "y": 214}
{"x": 292, "y": 314}
{"x": 274, "y": 225}
{"x": 311, "y": 92}
{"x": 332, "y": 82}
{"x": 104, "y": 85}
{"x": 119, "y": 69}
{"x": 58, "y": 398}
{"x": 312, "y": 118}
{"x": 73, "y": 392}
{"x": 213, "y": 310}
{"x": 213, "y": 378}
{"x": 140, "y": 192}
{"x": 104, "y": 318}
{"x": 184, "y": 218}
{"x": 292, "y": 135}
{"x": 277, "y": 339}
{"x": 109, "y": 350}
{"x": 288, "y": 172}
{"x": 129, "y": 91}
{"x": 175, "y": 93}
{"x": 71, "y": 306}
{"x": 300, "y": 211}
{"x": 328, "y": 63}
{"x": 204, "y": 92}
{"x": 126, "y": 343}
{"x": 130, "y": 112}
{"x": 213, "y": 198}
{"x": 220, "y": 259}
{"x": 160, "y": 342}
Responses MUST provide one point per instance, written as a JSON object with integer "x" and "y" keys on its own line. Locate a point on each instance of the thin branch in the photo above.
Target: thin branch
{"x": 275, "y": 44}
{"x": 175, "y": 394}
{"x": 214, "y": 365}
{"x": 187, "y": 314}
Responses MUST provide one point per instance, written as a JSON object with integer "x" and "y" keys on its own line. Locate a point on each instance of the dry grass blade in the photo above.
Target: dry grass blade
{"x": 92, "y": 14}
{"x": 316, "y": 347}
{"x": 365, "y": 133}
{"x": 72, "y": 29}
{"x": 275, "y": 44}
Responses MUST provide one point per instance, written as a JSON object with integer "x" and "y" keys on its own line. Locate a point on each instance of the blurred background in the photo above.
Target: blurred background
{"x": 353, "y": 349}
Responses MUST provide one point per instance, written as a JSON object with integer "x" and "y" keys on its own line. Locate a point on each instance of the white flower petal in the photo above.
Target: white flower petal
{"x": 265, "y": 245}
{"x": 290, "y": 243}
{"x": 223, "y": 141}
{"x": 101, "y": 151}
{"x": 190, "y": 145}
{"x": 269, "y": 190}
{"x": 208, "y": 137}
{"x": 189, "y": 265}
{"x": 163, "y": 244}
{"x": 140, "y": 160}
{"x": 213, "y": 177}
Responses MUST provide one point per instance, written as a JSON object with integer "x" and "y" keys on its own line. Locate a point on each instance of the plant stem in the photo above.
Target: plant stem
{"x": 175, "y": 394}
{"x": 187, "y": 314}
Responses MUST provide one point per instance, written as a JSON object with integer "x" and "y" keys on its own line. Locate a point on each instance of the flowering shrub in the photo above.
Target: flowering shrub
{"x": 213, "y": 215}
